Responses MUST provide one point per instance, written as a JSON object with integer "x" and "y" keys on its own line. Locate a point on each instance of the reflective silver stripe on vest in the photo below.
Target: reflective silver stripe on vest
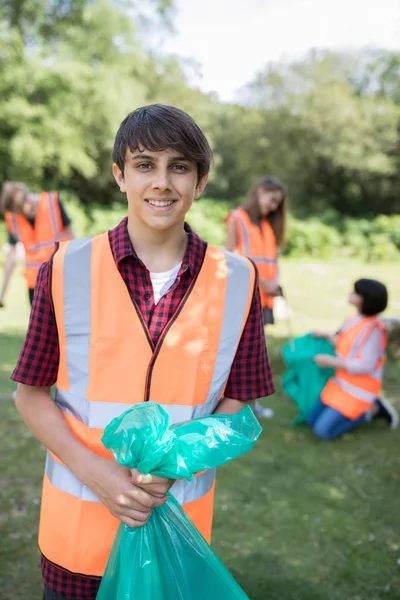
{"x": 63, "y": 479}
{"x": 357, "y": 392}
{"x": 77, "y": 300}
{"x": 53, "y": 221}
{"x": 188, "y": 491}
{"x": 356, "y": 346}
{"x": 236, "y": 298}
{"x": 184, "y": 491}
{"x": 15, "y": 225}
{"x": 246, "y": 245}
{"x": 350, "y": 323}
{"x": 99, "y": 414}
{"x": 33, "y": 265}
{"x": 41, "y": 245}
{"x": 51, "y": 200}
{"x": 243, "y": 229}
{"x": 261, "y": 259}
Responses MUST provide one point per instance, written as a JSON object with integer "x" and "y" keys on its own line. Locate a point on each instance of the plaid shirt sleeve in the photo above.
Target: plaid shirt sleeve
{"x": 38, "y": 361}
{"x": 251, "y": 375}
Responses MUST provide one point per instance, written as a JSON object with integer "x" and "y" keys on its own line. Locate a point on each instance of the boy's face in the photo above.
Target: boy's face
{"x": 160, "y": 186}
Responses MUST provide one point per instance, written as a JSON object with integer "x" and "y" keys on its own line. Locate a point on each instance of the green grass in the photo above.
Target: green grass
{"x": 296, "y": 519}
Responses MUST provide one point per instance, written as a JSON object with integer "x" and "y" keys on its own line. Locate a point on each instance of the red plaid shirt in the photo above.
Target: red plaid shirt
{"x": 250, "y": 376}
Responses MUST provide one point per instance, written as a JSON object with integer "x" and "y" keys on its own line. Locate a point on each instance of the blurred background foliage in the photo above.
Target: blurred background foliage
{"x": 328, "y": 126}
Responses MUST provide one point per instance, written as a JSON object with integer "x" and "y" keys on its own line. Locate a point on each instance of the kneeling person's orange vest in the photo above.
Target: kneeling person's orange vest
{"x": 108, "y": 363}
{"x": 259, "y": 244}
{"x": 40, "y": 239}
{"x": 352, "y": 395}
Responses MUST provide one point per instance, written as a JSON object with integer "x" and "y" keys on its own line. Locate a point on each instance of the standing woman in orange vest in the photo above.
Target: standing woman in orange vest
{"x": 36, "y": 220}
{"x": 257, "y": 230}
{"x": 352, "y": 396}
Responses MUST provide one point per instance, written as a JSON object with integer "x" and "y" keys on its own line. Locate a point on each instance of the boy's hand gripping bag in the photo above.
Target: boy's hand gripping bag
{"x": 167, "y": 558}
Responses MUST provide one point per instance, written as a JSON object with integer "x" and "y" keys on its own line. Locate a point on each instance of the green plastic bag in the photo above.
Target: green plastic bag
{"x": 167, "y": 558}
{"x": 304, "y": 380}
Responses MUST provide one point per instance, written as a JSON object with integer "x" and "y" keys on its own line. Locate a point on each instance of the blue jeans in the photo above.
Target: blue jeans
{"x": 328, "y": 423}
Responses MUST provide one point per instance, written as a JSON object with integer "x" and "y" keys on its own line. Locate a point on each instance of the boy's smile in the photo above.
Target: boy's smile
{"x": 160, "y": 204}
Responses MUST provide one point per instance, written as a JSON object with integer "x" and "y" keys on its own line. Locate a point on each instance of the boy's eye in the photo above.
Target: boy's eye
{"x": 143, "y": 166}
{"x": 181, "y": 168}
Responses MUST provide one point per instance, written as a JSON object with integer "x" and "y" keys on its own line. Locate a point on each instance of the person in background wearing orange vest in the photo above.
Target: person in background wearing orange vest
{"x": 145, "y": 311}
{"x": 36, "y": 220}
{"x": 256, "y": 230}
{"x": 352, "y": 396}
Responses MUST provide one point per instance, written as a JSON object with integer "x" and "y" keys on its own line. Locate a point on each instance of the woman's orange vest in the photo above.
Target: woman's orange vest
{"x": 39, "y": 240}
{"x": 259, "y": 244}
{"x": 352, "y": 395}
{"x": 108, "y": 363}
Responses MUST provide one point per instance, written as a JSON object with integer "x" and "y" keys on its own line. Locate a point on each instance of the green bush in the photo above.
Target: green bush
{"x": 207, "y": 218}
{"x": 382, "y": 249}
{"x": 95, "y": 219}
{"x": 311, "y": 238}
{"x": 390, "y": 227}
{"x": 373, "y": 240}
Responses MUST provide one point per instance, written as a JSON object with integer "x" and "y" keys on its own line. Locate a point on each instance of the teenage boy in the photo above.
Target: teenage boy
{"x": 146, "y": 311}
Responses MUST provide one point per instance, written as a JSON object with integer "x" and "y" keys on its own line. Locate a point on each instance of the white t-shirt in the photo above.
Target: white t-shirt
{"x": 163, "y": 281}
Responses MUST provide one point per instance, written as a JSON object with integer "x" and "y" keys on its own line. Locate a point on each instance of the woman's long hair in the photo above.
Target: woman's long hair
{"x": 277, "y": 218}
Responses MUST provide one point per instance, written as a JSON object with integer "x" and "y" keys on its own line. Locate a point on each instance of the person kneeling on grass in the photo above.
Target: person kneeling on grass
{"x": 352, "y": 396}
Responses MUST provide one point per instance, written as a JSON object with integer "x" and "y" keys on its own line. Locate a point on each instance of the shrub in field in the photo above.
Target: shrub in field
{"x": 206, "y": 216}
{"x": 311, "y": 238}
{"x": 374, "y": 240}
{"x": 389, "y": 226}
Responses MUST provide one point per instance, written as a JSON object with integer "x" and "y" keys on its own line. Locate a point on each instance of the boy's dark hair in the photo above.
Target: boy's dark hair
{"x": 158, "y": 127}
{"x": 374, "y": 295}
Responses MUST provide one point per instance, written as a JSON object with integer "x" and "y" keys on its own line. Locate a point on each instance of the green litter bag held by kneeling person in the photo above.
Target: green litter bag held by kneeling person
{"x": 168, "y": 558}
{"x": 304, "y": 380}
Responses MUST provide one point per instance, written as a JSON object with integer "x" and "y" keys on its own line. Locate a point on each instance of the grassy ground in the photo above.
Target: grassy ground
{"x": 295, "y": 519}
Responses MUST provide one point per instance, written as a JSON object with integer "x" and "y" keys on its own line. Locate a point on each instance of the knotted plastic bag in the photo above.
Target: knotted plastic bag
{"x": 167, "y": 558}
{"x": 304, "y": 380}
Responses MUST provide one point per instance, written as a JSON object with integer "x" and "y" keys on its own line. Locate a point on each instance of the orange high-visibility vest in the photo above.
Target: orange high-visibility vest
{"x": 108, "y": 363}
{"x": 352, "y": 395}
{"x": 39, "y": 240}
{"x": 259, "y": 244}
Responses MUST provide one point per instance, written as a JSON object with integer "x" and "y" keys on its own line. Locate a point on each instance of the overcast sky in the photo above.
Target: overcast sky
{"x": 233, "y": 39}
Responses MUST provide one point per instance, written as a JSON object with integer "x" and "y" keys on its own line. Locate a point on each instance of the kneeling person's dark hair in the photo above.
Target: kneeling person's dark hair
{"x": 374, "y": 295}
{"x": 159, "y": 127}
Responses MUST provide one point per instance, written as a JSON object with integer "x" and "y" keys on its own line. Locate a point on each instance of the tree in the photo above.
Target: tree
{"x": 61, "y": 103}
{"x": 333, "y": 143}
